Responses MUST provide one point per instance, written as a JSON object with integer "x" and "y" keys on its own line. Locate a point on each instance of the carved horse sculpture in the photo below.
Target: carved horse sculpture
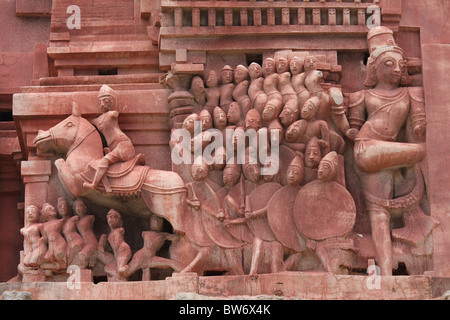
{"x": 136, "y": 189}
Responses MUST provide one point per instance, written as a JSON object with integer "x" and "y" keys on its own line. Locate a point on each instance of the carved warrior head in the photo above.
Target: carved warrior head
{"x": 252, "y": 169}
{"x": 219, "y": 118}
{"x": 253, "y": 120}
{"x": 255, "y": 70}
{"x": 206, "y": 119}
{"x": 63, "y": 207}
{"x": 313, "y": 153}
{"x": 296, "y": 65}
{"x": 32, "y": 214}
{"x": 234, "y": 113}
{"x": 310, "y": 108}
{"x": 241, "y": 73}
{"x": 231, "y": 174}
{"x": 227, "y": 74}
{"x": 114, "y": 219}
{"x": 80, "y": 207}
{"x": 212, "y": 80}
{"x": 295, "y": 171}
{"x": 328, "y": 167}
{"x": 199, "y": 169}
{"x": 381, "y": 43}
{"x": 48, "y": 211}
{"x": 282, "y": 65}
{"x": 189, "y": 122}
{"x": 107, "y": 97}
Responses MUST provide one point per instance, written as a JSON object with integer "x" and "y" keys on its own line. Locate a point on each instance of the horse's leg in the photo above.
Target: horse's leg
{"x": 201, "y": 257}
{"x": 164, "y": 263}
{"x": 168, "y": 206}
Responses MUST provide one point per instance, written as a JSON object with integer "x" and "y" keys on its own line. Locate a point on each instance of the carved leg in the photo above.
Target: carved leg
{"x": 381, "y": 185}
{"x": 101, "y": 171}
{"x": 374, "y": 155}
{"x": 163, "y": 263}
{"x": 381, "y": 235}
{"x": 321, "y": 251}
{"x": 199, "y": 260}
{"x": 257, "y": 255}
{"x": 276, "y": 259}
{"x": 234, "y": 261}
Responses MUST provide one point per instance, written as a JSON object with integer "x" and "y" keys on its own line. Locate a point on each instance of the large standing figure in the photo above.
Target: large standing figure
{"x": 376, "y": 118}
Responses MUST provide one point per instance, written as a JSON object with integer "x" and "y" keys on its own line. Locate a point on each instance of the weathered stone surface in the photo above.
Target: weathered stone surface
{"x": 319, "y": 166}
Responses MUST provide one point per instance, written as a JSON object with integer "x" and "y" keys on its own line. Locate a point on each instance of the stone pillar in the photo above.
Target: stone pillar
{"x": 36, "y": 175}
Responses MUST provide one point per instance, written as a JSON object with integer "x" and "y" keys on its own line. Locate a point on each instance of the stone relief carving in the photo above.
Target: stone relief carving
{"x": 232, "y": 217}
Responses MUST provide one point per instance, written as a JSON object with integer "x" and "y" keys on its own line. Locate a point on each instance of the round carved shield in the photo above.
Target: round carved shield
{"x": 280, "y": 212}
{"x": 323, "y": 210}
{"x": 259, "y": 199}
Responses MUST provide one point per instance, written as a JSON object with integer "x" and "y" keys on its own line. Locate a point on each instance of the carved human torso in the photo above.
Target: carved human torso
{"x": 271, "y": 86}
{"x": 69, "y": 231}
{"x": 285, "y": 84}
{"x": 108, "y": 125}
{"x": 32, "y": 234}
{"x": 256, "y": 88}
{"x": 115, "y": 238}
{"x": 386, "y": 114}
{"x": 212, "y": 96}
{"x": 226, "y": 94}
{"x": 84, "y": 226}
{"x": 240, "y": 90}
{"x": 52, "y": 230}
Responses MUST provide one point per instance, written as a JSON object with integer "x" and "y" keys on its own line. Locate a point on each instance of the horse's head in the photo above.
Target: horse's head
{"x": 61, "y": 137}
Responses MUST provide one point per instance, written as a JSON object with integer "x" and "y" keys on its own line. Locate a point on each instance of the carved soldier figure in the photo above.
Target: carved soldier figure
{"x": 226, "y": 88}
{"x": 115, "y": 267}
{"x": 290, "y": 109}
{"x": 51, "y": 231}
{"x": 212, "y": 91}
{"x": 256, "y": 88}
{"x": 198, "y": 91}
{"x": 376, "y": 118}
{"x": 69, "y": 229}
{"x": 313, "y": 155}
{"x": 219, "y": 119}
{"x": 298, "y": 80}
{"x": 189, "y": 123}
{"x": 234, "y": 115}
{"x": 295, "y": 171}
{"x": 119, "y": 147}
{"x": 34, "y": 244}
{"x": 206, "y": 119}
{"x": 274, "y": 103}
{"x": 240, "y": 91}
{"x": 325, "y": 213}
{"x": 87, "y": 256}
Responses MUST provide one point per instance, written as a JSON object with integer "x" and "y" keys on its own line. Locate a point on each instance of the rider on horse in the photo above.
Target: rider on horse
{"x": 119, "y": 148}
